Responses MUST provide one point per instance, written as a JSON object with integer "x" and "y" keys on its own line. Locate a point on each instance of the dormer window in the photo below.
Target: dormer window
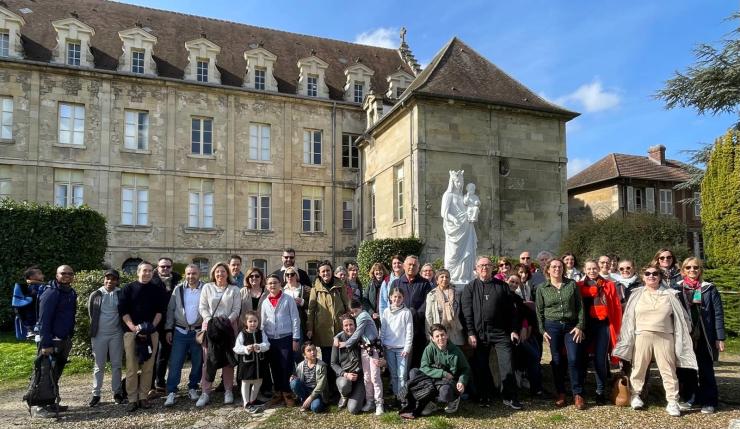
{"x": 312, "y": 80}
{"x": 260, "y": 64}
{"x": 397, "y": 84}
{"x": 201, "y": 73}
{"x": 202, "y": 61}
{"x": 138, "y": 45}
{"x": 10, "y": 34}
{"x": 399, "y": 91}
{"x": 73, "y": 43}
{"x": 358, "y": 82}
{"x": 73, "y": 53}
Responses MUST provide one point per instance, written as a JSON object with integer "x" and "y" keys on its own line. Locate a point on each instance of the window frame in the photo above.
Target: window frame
{"x": 70, "y": 194}
{"x": 6, "y": 188}
{"x": 398, "y": 196}
{"x": 348, "y": 215}
{"x": 4, "y": 44}
{"x": 202, "y": 262}
{"x": 72, "y": 132}
{"x": 74, "y": 52}
{"x": 359, "y": 91}
{"x": 667, "y": 202}
{"x": 202, "y": 195}
{"x": 137, "y": 63}
{"x": 257, "y": 142}
{"x": 312, "y": 85}
{"x": 697, "y": 205}
{"x": 312, "y": 206}
{"x": 310, "y": 144}
{"x": 260, "y": 78}
{"x": 201, "y": 69}
{"x": 137, "y": 191}
{"x": 256, "y": 208}
{"x": 350, "y": 152}
{"x": 141, "y": 136}
{"x": 372, "y": 195}
{"x": 6, "y": 118}
{"x": 202, "y": 120}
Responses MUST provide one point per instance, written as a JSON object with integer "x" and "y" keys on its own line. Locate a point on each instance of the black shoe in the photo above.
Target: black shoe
{"x": 119, "y": 398}
{"x": 219, "y": 388}
{"x": 133, "y": 406}
{"x": 94, "y": 401}
{"x": 144, "y": 403}
{"x": 57, "y": 408}
{"x": 513, "y": 404}
{"x": 484, "y": 402}
{"x": 600, "y": 399}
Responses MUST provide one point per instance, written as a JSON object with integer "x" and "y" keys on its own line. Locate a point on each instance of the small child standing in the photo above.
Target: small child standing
{"x": 250, "y": 348}
{"x": 396, "y": 335}
{"x": 367, "y": 336}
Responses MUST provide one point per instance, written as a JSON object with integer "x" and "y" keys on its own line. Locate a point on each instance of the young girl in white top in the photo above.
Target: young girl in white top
{"x": 396, "y": 334}
{"x": 251, "y": 346}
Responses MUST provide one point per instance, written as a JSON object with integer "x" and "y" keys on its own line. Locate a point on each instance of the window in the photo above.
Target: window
{"x": 312, "y": 147}
{"x": 201, "y": 136}
{"x": 259, "y": 206}
{"x": 134, "y": 199}
{"x": 6, "y": 181}
{"x": 639, "y": 202}
{"x": 68, "y": 188}
{"x": 261, "y": 264}
{"x": 137, "y": 61}
{"x": 203, "y": 266}
{"x": 73, "y": 53}
{"x": 201, "y": 70}
{"x": 666, "y": 201}
{"x": 200, "y": 203}
{"x": 71, "y": 124}
{"x": 312, "y": 269}
{"x": 136, "y": 134}
{"x": 130, "y": 265}
{"x": 348, "y": 209}
{"x": 312, "y": 86}
{"x": 650, "y": 200}
{"x": 359, "y": 92}
{"x": 350, "y": 153}
{"x": 399, "y": 91}
{"x": 6, "y": 118}
{"x": 4, "y": 44}
{"x": 372, "y": 206}
{"x": 259, "y": 142}
{"x": 259, "y": 78}
{"x": 398, "y": 192}
{"x": 697, "y": 204}
{"x": 313, "y": 197}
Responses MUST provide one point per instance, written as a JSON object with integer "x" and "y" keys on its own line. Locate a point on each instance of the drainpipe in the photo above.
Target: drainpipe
{"x": 412, "y": 205}
{"x": 333, "y": 183}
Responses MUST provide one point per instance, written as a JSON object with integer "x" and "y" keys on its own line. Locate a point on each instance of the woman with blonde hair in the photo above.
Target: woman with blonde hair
{"x": 378, "y": 273}
{"x": 253, "y": 292}
{"x": 655, "y": 326}
{"x": 443, "y": 307}
{"x": 704, "y": 304}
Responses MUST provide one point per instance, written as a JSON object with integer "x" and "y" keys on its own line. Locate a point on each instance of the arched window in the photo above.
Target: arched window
{"x": 129, "y": 265}
{"x": 203, "y": 266}
{"x": 261, "y": 264}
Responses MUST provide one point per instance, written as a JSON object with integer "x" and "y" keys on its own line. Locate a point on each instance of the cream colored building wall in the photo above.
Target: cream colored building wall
{"x": 598, "y": 203}
{"x": 34, "y": 153}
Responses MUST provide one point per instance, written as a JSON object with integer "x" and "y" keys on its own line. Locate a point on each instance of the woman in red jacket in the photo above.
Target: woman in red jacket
{"x": 603, "y": 320}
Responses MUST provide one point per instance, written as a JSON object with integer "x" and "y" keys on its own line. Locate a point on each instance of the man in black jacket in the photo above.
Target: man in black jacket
{"x": 415, "y": 290}
{"x": 289, "y": 261}
{"x": 488, "y": 310}
{"x": 167, "y": 279}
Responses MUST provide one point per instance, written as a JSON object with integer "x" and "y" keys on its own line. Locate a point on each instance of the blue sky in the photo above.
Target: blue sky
{"x": 604, "y": 59}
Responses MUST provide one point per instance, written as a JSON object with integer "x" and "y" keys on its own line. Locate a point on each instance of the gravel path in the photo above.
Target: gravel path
{"x": 75, "y": 392}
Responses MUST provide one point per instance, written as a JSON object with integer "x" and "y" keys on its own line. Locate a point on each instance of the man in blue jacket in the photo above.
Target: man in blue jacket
{"x": 57, "y": 308}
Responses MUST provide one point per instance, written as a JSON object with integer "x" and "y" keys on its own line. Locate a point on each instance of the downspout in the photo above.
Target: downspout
{"x": 333, "y": 182}
{"x": 412, "y": 208}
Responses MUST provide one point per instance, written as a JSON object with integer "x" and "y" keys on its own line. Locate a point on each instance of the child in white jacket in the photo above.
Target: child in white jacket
{"x": 396, "y": 335}
{"x": 250, "y": 348}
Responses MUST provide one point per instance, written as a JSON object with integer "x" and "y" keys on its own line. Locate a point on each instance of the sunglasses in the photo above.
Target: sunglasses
{"x": 652, "y": 273}
{"x": 692, "y": 267}
{"x": 289, "y": 274}
{"x": 625, "y": 269}
{"x": 663, "y": 258}
{"x": 255, "y": 276}
{"x": 525, "y": 257}
{"x": 504, "y": 265}
{"x": 288, "y": 257}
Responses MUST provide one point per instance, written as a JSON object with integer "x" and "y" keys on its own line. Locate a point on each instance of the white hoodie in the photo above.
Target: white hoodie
{"x": 397, "y": 328}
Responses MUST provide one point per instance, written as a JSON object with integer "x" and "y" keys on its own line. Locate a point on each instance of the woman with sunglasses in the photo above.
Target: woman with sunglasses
{"x": 666, "y": 260}
{"x": 253, "y": 293}
{"x": 704, "y": 304}
{"x": 655, "y": 326}
{"x": 300, "y": 295}
{"x": 504, "y": 268}
{"x": 627, "y": 280}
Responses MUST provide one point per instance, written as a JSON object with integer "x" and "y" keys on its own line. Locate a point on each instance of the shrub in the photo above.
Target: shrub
{"x": 84, "y": 284}
{"x": 636, "y": 236}
{"x": 726, "y": 280}
{"x": 382, "y": 250}
{"x": 46, "y": 236}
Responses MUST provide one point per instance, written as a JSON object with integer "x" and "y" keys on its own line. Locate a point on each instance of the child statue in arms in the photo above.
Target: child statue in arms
{"x": 472, "y": 202}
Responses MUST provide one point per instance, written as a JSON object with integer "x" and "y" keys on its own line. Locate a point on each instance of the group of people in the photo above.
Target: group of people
{"x": 280, "y": 339}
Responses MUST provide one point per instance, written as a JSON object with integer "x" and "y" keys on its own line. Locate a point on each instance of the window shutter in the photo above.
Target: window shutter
{"x": 630, "y": 199}
{"x": 650, "y": 199}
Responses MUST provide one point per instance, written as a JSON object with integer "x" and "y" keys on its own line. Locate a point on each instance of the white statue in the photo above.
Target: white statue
{"x": 461, "y": 241}
{"x": 472, "y": 202}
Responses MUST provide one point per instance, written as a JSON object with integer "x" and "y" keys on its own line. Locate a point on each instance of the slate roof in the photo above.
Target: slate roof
{"x": 617, "y": 165}
{"x": 459, "y": 72}
{"x": 173, "y": 29}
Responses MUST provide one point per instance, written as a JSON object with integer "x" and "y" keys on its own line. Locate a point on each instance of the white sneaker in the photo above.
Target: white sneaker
{"x": 637, "y": 403}
{"x": 429, "y": 409}
{"x": 228, "y": 397}
{"x": 673, "y": 409}
{"x": 379, "y": 410}
{"x": 203, "y": 400}
{"x": 193, "y": 394}
{"x": 170, "y": 401}
{"x": 707, "y": 409}
{"x": 369, "y": 405}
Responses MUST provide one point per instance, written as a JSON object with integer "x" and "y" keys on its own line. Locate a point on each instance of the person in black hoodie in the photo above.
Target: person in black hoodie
{"x": 57, "y": 309}
{"x": 167, "y": 279}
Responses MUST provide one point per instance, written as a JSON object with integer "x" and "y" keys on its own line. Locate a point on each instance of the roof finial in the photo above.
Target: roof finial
{"x": 406, "y": 55}
{"x": 403, "y": 35}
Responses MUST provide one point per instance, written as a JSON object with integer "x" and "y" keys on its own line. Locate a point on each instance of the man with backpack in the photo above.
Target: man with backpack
{"x": 57, "y": 309}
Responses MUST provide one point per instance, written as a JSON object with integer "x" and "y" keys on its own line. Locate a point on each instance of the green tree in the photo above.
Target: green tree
{"x": 720, "y": 198}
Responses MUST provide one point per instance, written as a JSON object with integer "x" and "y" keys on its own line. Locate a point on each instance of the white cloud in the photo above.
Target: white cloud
{"x": 592, "y": 97}
{"x": 576, "y": 165}
{"x": 381, "y": 37}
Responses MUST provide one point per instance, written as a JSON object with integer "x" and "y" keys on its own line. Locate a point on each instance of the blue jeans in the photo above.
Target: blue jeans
{"x": 560, "y": 337}
{"x": 302, "y": 392}
{"x": 182, "y": 344}
{"x": 397, "y": 366}
{"x": 597, "y": 337}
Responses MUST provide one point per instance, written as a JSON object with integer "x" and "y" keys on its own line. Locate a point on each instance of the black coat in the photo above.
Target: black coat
{"x": 221, "y": 341}
{"x": 472, "y": 306}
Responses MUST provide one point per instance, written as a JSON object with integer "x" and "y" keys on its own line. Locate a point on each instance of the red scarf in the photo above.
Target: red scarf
{"x": 274, "y": 299}
{"x": 691, "y": 284}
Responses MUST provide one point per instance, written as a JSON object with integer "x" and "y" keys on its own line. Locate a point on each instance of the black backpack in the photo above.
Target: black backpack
{"x": 42, "y": 390}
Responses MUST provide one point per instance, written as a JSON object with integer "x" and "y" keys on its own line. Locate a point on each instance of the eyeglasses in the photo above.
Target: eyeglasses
{"x": 289, "y": 274}
{"x": 288, "y": 257}
{"x": 525, "y": 257}
{"x": 623, "y": 269}
{"x": 663, "y": 258}
{"x": 255, "y": 276}
{"x": 165, "y": 266}
{"x": 652, "y": 273}
{"x": 485, "y": 265}
{"x": 692, "y": 267}
{"x": 504, "y": 265}
{"x": 66, "y": 273}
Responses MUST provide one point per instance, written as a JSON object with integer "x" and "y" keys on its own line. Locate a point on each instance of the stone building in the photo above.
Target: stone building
{"x": 198, "y": 138}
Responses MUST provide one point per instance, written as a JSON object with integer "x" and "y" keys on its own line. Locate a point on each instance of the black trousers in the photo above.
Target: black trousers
{"x": 163, "y": 358}
{"x": 484, "y": 379}
{"x": 61, "y": 356}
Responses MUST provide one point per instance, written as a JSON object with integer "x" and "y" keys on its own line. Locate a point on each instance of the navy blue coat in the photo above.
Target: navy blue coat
{"x": 712, "y": 323}
{"x": 57, "y": 309}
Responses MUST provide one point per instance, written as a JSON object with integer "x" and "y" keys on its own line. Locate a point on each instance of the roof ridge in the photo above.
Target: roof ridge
{"x": 137, "y": 6}
{"x": 616, "y": 164}
{"x": 429, "y": 70}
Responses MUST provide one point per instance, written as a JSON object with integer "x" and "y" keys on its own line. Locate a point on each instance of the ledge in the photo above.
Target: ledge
{"x": 209, "y": 231}
{"x": 133, "y": 228}
{"x": 71, "y": 146}
{"x": 7, "y": 141}
{"x": 399, "y": 222}
{"x": 312, "y": 234}
{"x": 313, "y": 165}
{"x": 136, "y": 151}
{"x": 206, "y": 157}
{"x": 257, "y": 232}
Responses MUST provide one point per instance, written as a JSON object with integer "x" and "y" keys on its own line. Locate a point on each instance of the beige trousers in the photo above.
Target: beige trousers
{"x": 661, "y": 346}
{"x": 137, "y": 387}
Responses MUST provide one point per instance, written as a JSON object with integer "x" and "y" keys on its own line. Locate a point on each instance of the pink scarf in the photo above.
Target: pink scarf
{"x": 691, "y": 284}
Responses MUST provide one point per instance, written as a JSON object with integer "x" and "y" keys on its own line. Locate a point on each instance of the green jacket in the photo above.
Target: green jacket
{"x": 324, "y": 308}
{"x": 435, "y": 362}
{"x": 565, "y": 305}
{"x": 322, "y": 388}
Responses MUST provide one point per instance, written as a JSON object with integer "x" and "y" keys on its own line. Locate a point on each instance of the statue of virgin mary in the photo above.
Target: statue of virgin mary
{"x": 461, "y": 240}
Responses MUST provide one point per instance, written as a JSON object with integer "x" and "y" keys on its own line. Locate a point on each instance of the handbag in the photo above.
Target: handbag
{"x": 621, "y": 391}
{"x": 200, "y": 337}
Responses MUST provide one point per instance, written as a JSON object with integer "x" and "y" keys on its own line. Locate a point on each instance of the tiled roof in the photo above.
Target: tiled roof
{"x": 616, "y": 165}
{"x": 173, "y": 29}
{"x": 457, "y": 71}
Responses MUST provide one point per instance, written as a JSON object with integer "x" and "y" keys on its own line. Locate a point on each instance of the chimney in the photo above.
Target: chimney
{"x": 657, "y": 154}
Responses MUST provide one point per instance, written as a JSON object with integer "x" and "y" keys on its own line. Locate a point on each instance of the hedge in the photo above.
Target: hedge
{"x": 46, "y": 236}
{"x": 635, "y": 236}
{"x": 727, "y": 280}
{"x": 84, "y": 284}
{"x": 382, "y": 250}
